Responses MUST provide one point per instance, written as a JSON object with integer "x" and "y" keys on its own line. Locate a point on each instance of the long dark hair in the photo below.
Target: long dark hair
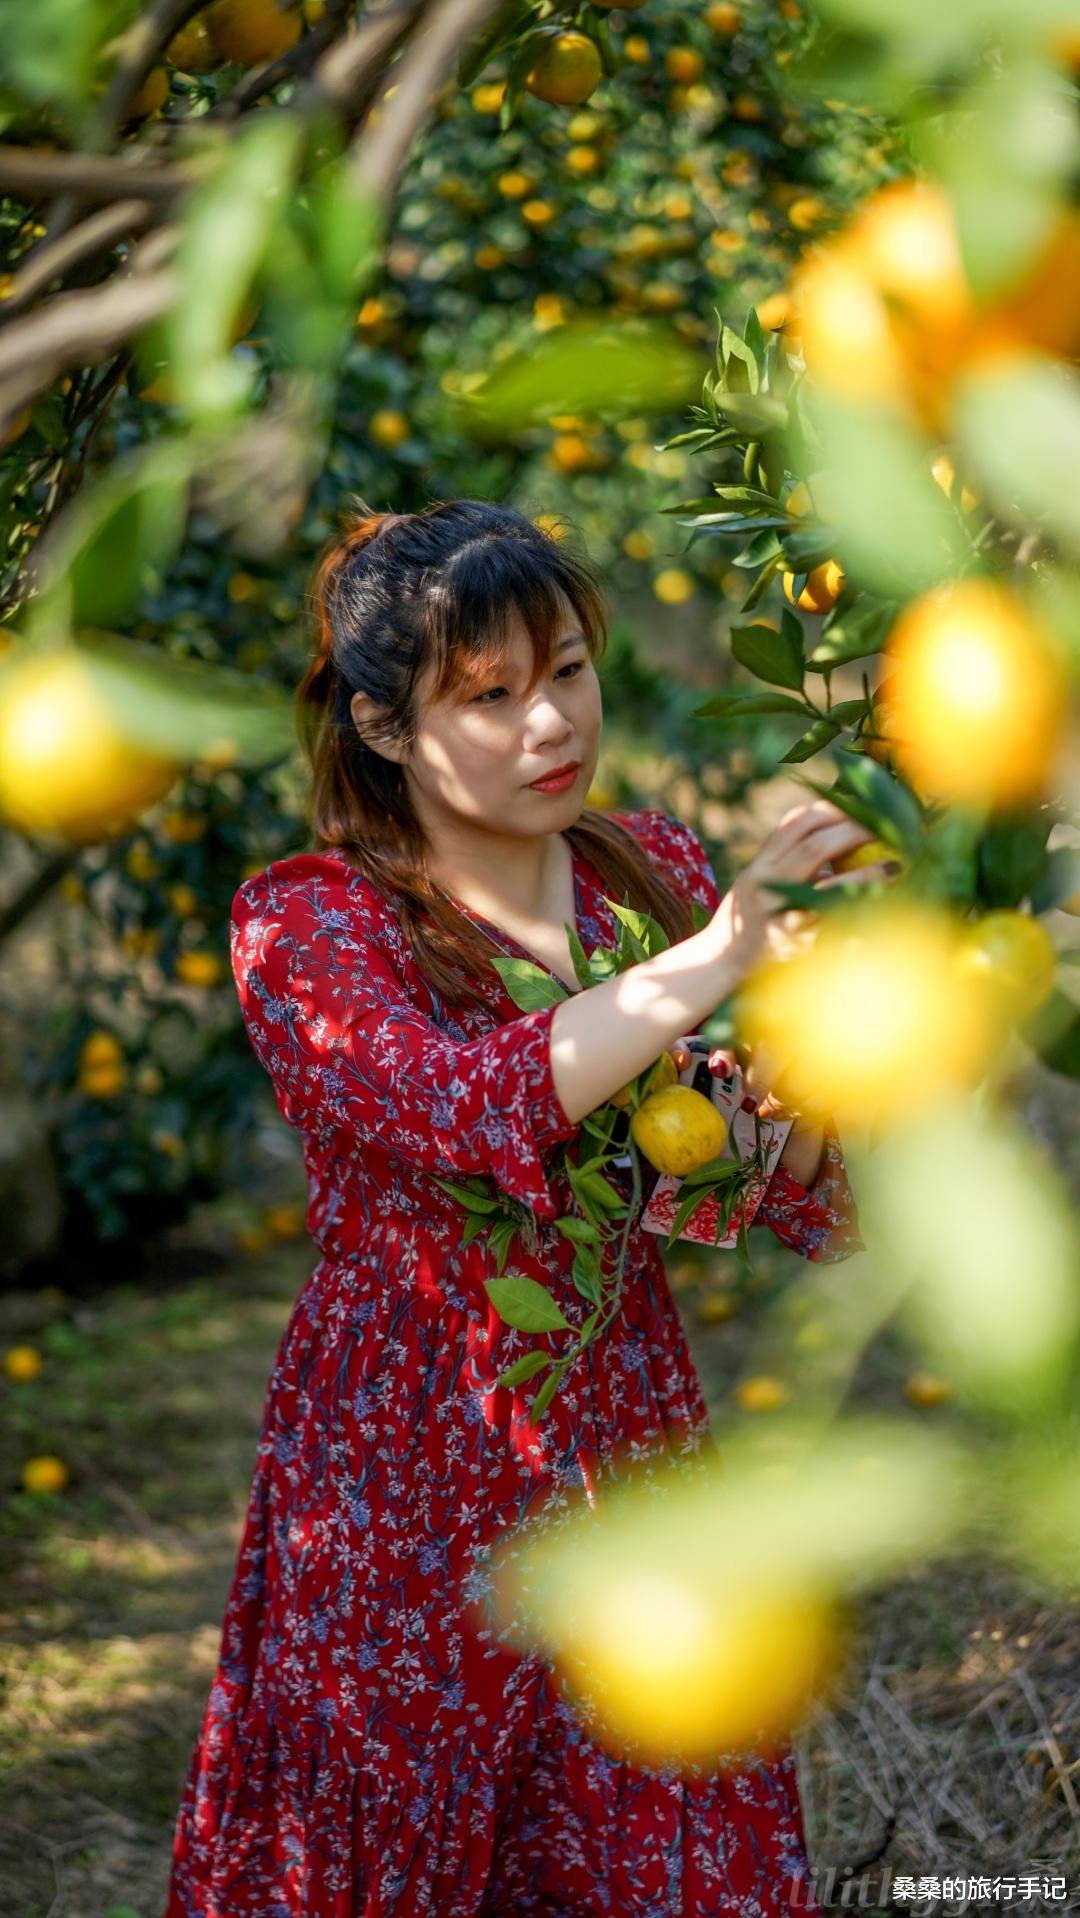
{"x": 392, "y": 594}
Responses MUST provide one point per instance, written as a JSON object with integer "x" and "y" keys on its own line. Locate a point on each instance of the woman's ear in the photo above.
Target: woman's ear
{"x": 367, "y": 716}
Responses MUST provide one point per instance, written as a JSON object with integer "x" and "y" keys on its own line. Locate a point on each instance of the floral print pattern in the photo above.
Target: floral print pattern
{"x": 368, "y": 1749}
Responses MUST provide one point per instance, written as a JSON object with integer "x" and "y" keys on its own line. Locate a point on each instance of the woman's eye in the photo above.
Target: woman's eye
{"x": 482, "y": 698}
{"x": 485, "y": 698}
{"x": 574, "y": 666}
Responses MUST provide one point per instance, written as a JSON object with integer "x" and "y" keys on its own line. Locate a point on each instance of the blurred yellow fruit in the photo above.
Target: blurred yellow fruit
{"x": 538, "y": 212}
{"x": 567, "y": 71}
{"x": 192, "y": 49}
{"x": 513, "y": 185}
{"x": 773, "y": 311}
{"x": 872, "y": 1020}
{"x": 978, "y": 694}
{"x": 716, "y": 1308}
{"x": 22, "y": 1362}
{"x": 489, "y": 98}
{"x": 823, "y": 588}
{"x": 490, "y": 257}
{"x": 65, "y": 766}
{"x": 582, "y": 159}
{"x": 636, "y": 49}
{"x": 678, "y": 1129}
{"x": 45, "y": 1474}
{"x": 684, "y": 64}
{"x": 722, "y": 17}
{"x": 198, "y": 968}
{"x": 249, "y": 31}
{"x": 806, "y": 212}
{"x": 101, "y": 1048}
{"x": 926, "y": 1388}
{"x": 798, "y": 501}
{"x": 687, "y": 1665}
{"x": 149, "y": 1080}
{"x": 388, "y": 428}
{"x": 183, "y": 901}
{"x": 551, "y": 524}
{"x": 638, "y": 545}
{"x": 762, "y": 1393}
{"x": 1015, "y": 954}
{"x": 253, "y": 1238}
{"x": 167, "y": 1142}
{"x": 285, "y": 1221}
{"x": 183, "y": 828}
{"x": 674, "y": 586}
{"x": 151, "y": 96}
{"x": 868, "y": 854}
{"x": 601, "y": 795}
{"x": 101, "y": 1082}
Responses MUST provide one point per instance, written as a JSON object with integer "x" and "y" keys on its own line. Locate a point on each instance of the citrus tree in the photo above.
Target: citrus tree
{"x": 198, "y": 372}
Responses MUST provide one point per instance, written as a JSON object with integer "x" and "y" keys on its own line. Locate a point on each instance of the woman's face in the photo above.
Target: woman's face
{"x": 475, "y": 755}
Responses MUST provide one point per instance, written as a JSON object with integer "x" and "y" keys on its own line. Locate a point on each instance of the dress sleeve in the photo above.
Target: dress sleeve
{"x": 331, "y": 1019}
{"x": 819, "y": 1222}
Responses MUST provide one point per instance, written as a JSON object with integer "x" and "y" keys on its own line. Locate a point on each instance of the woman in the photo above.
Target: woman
{"x": 363, "y": 1750}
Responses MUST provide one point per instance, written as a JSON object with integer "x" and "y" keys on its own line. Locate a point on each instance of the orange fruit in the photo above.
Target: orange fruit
{"x": 723, "y": 18}
{"x": 1015, "y": 955}
{"x": 684, "y": 64}
{"x": 762, "y": 1393}
{"x": 978, "y": 694}
{"x": 151, "y": 96}
{"x": 867, "y": 854}
{"x": 822, "y": 590}
{"x": 192, "y": 49}
{"x": 388, "y": 428}
{"x": 198, "y": 968}
{"x": 22, "y": 1363}
{"x": 250, "y": 31}
{"x": 678, "y": 1129}
{"x": 65, "y": 765}
{"x": 45, "y": 1474}
{"x": 567, "y": 70}
{"x": 926, "y": 1388}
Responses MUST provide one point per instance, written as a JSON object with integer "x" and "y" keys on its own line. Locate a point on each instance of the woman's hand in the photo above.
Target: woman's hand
{"x": 754, "y": 921}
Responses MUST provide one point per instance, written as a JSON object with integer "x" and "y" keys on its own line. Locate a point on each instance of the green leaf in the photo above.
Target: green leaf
{"x": 472, "y": 1201}
{"x": 1012, "y": 853}
{"x": 579, "y": 1230}
{"x": 775, "y": 657}
{"x": 1054, "y": 1033}
{"x": 1058, "y": 880}
{"x": 731, "y": 705}
{"x": 528, "y": 985}
{"x": 754, "y": 414}
{"x": 820, "y": 734}
{"x": 592, "y": 366}
{"x": 586, "y": 1276}
{"x": 1020, "y": 421}
{"x": 116, "y": 538}
{"x": 525, "y": 1304}
{"x": 547, "y": 1392}
{"x": 893, "y": 802}
{"x": 896, "y": 531}
{"x": 762, "y": 583}
{"x": 526, "y": 1367}
{"x": 853, "y": 633}
{"x": 603, "y": 1193}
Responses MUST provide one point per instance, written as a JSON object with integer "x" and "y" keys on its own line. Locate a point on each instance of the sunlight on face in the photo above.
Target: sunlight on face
{"x": 474, "y": 755}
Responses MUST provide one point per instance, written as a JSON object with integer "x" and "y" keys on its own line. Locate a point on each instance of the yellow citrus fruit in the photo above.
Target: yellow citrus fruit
{"x": 773, "y": 312}
{"x": 389, "y": 428}
{"x": 582, "y": 159}
{"x": 716, "y": 1308}
{"x": 867, "y": 854}
{"x": 822, "y": 590}
{"x": 183, "y": 828}
{"x": 45, "y": 1474}
{"x": 762, "y": 1393}
{"x": 978, "y": 695}
{"x": 722, "y": 17}
{"x": 1013, "y": 952}
{"x": 684, "y": 65}
{"x": 198, "y": 968}
{"x": 926, "y": 1388}
{"x": 674, "y": 586}
{"x": 513, "y": 185}
{"x": 663, "y": 1072}
{"x": 151, "y": 96}
{"x": 687, "y": 1665}
{"x": 538, "y": 212}
{"x": 101, "y": 1049}
{"x": 489, "y": 98}
{"x": 101, "y": 1082}
{"x": 567, "y": 70}
{"x": 249, "y": 31}
{"x": 183, "y": 900}
{"x": 285, "y": 1221}
{"x": 798, "y": 501}
{"x": 678, "y": 1129}
{"x": 65, "y": 765}
{"x": 872, "y": 1019}
{"x": 192, "y": 49}
{"x": 636, "y": 49}
{"x": 22, "y": 1362}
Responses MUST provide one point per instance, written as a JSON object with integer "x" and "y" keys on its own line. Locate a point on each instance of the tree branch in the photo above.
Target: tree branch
{"x": 84, "y": 327}
{"x": 137, "y": 49}
{"x": 32, "y": 173}
{"x": 347, "y": 76}
{"x": 449, "y": 27}
{"x": 92, "y": 236}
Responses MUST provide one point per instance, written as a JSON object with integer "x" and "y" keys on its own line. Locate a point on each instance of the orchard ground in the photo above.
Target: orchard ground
{"x": 958, "y": 1714}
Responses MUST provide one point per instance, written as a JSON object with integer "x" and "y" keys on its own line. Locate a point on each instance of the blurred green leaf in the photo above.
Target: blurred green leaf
{"x": 182, "y": 708}
{"x": 730, "y": 705}
{"x": 600, "y": 367}
{"x": 892, "y": 801}
{"x": 1020, "y": 423}
{"x": 896, "y": 531}
{"x": 1012, "y": 854}
{"x": 1053, "y": 1031}
{"x": 115, "y": 539}
{"x": 813, "y": 740}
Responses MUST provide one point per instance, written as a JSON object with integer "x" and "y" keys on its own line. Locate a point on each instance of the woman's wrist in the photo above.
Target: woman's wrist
{"x": 803, "y": 1154}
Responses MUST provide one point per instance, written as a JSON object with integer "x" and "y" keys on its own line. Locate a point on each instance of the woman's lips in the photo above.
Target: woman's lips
{"x": 555, "y": 782}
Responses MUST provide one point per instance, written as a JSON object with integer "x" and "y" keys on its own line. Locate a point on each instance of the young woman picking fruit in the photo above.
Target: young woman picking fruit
{"x": 364, "y": 1748}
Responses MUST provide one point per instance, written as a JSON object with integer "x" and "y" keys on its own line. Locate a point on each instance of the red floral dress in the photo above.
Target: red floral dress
{"x": 366, "y": 1751}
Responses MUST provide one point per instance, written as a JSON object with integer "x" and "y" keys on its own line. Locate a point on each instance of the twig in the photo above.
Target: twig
{"x": 82, "y": 327}
{"x": 37, "y": 889}
{"x": 1052, "y": 1746}
{"x": 136, "y": 50}
{"x": 350, "y": 71}
{"x": 379, "y": 156}
{"x": 96, "y": 234}
{"x": 29, "y": 173}
{"x": 295, "y": 63}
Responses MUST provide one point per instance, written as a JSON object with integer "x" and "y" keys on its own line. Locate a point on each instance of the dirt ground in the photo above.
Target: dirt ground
{"x": 951, "y": 1745}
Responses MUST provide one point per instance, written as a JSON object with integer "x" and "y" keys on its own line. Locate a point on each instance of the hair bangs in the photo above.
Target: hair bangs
{"x": 471, "y": 608}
